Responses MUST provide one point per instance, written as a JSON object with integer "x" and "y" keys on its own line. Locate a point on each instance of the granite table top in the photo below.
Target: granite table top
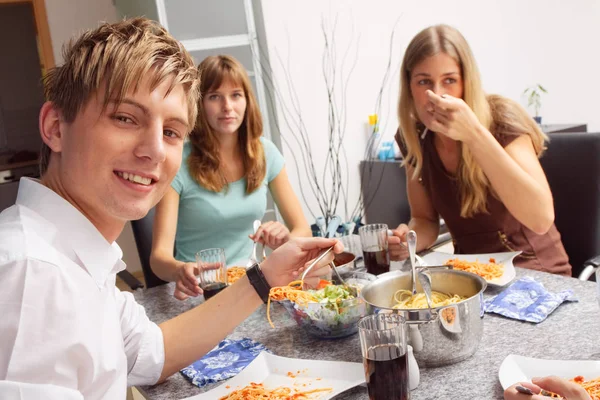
{"x": 571, "y": 332}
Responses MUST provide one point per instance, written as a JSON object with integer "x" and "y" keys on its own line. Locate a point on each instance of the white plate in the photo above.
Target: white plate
{"x": 506, "y": 259}
{"x": 521, "y": 369}
{"x": 272, "y": 371}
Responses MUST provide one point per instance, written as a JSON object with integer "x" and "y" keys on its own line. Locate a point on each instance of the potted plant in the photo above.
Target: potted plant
{"x": 534, "y": 98}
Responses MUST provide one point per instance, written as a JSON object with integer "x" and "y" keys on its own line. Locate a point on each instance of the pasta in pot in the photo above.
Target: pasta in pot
{"x": 404, "y": 299}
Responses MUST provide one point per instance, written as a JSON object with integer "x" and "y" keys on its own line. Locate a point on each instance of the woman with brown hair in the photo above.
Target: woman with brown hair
{"x": 472, "y": 159}
{"x": 222, "y": 185}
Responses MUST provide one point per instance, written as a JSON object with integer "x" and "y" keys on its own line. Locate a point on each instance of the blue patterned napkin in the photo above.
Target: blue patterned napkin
{"x": 527, "y": 300}
{"x": 225, "y": 361}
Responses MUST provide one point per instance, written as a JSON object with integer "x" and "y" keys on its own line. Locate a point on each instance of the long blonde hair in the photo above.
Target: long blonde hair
{"x": 498, "y": 114}
{"x": 205, "y": 161}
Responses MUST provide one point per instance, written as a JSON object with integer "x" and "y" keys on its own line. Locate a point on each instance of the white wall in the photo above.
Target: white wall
{"x": 516, "y": 43}
{"x": 68, "y": 18}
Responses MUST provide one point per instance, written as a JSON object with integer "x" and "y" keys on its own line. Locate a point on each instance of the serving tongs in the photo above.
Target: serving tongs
{"x": 312, "y": 264}
{"x": 353, "y": 291}
{"x": 350, "y": 288}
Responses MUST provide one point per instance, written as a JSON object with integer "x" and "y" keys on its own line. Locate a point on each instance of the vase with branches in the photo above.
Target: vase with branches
{"x": 328, "y": 185}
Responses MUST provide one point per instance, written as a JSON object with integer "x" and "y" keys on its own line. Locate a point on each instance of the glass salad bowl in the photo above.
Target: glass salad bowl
{"x": 335, "y": 314}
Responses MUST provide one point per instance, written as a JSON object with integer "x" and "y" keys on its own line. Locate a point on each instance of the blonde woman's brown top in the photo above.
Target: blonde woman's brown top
{"x": 495, "y": 232}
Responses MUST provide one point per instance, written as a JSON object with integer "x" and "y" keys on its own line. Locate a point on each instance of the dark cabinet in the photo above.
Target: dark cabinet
{"x": 383, "y": 186}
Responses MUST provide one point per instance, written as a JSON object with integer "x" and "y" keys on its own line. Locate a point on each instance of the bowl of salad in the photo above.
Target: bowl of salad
{"x": 334, "y": 313}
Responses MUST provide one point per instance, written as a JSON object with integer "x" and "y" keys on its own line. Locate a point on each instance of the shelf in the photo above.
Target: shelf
{"x": 216, "y": 42}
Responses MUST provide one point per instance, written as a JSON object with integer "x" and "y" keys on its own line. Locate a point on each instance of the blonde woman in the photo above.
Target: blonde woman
{"x": 222, "y": 185}
{"x": 472, "y": 159}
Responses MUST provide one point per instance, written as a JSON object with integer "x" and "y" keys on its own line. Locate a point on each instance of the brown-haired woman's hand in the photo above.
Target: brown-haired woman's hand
{"x": 271, "y": 234}
{"x": 568, "y": 390}
{"x": 452, "y": 117}
{"x": 187, "y": 283}
{"x": 397, "y": 249}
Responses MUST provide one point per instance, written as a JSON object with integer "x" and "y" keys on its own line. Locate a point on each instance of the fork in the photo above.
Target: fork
{"x": 253, "y": 259}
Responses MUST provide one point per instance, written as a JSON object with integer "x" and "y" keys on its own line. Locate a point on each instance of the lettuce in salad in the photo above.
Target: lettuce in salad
{"x": 332, "y": 296}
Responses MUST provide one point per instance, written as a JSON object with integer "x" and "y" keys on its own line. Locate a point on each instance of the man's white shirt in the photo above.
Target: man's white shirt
{"x": 63, "y": 323}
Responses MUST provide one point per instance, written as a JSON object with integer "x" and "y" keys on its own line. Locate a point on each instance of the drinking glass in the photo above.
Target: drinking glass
{"x": 374, "y": 242}
{"x": 212, "y": 271}
{"x": 384, "y": 350}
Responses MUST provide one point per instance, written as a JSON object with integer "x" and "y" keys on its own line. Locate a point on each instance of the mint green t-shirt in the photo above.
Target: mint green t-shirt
{"x": 207, "y": 219}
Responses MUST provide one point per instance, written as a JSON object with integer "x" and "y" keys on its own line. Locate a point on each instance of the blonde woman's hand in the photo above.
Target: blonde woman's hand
{"x": 568, "y": 390}
{"x": 271, "y": 234}
{"x": 452, "y": 117}
{"x": 397, "y": 249}
{"x": 186, "y": 281}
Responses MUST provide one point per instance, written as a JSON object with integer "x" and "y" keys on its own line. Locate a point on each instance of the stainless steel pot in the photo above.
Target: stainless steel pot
{"x": 442, "y": 335}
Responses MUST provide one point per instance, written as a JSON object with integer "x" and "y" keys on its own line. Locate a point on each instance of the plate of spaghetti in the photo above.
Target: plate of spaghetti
{"x": 496, "y": 268}
{"x": 281, "y": 378}
{"x": 516, "y": 368}
{"x": 235, "y": 273}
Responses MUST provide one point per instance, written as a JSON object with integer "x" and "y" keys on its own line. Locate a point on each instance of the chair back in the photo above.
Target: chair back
{"x": 142, "y": 232}
{"x": 572, "y": 166}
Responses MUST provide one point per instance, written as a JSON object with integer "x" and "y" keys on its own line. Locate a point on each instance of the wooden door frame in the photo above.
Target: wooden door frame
{"x": 43, "y": 31}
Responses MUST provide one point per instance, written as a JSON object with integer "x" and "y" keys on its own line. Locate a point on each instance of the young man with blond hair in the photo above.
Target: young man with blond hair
{"x": 118, "y": 111}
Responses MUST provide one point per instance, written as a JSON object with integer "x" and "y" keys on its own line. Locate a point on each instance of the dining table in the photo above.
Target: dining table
{"x": 569, "y": 333}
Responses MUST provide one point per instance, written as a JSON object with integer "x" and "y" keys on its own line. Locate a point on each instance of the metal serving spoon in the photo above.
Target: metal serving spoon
{"x": 425, "y": 281}
{"x": 411, "y": 241}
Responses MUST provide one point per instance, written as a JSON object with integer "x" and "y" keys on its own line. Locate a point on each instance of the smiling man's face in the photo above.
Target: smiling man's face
{"x": 115, "y": 164}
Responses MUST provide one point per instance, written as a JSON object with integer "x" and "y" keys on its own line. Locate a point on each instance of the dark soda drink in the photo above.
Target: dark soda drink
{"x": 386, "y": 372}
{"x": 213, "y": 288}
{"x": 377, "y": 262}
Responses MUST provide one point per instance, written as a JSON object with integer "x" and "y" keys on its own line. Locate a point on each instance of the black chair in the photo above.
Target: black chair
{"x": 572, "y": 166}
{"x": 142, "y": 232}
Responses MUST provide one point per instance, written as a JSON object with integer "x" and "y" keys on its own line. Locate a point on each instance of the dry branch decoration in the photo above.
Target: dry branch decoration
{"x": 329, "y": 186}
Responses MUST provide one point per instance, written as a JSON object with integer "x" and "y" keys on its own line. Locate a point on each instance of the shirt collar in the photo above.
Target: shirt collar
{"x": 97, "y": 256}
